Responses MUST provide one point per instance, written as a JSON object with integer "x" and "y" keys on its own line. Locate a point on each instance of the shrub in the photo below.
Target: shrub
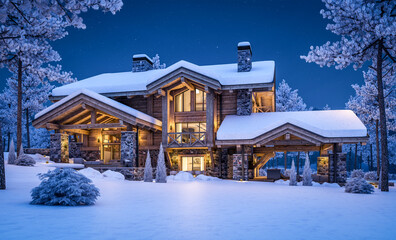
{"x": 64, "y": 187}
{"x": 25, "y": 160}
{"x": 358, "y": 185}
{"x": 357, "y": 173}
{"x": 371, "y": 176}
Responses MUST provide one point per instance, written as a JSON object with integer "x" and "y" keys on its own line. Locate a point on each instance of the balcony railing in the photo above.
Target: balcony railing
{"x": 257, "y": 109}
{"x": 187, "y": 139}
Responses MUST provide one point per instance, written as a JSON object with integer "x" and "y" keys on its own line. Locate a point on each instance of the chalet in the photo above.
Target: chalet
{"x": 217, "y": 119}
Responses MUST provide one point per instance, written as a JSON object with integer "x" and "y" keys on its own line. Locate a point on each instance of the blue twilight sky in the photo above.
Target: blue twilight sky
{"x": 207, "y": 32}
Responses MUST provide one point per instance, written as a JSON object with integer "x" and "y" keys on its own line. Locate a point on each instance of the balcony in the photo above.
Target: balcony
{"x": 187, "y": 139}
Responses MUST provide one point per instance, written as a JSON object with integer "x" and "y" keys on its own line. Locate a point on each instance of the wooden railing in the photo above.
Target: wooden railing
{"x": 187, "y": 139}
{"x": 257, "y": 109}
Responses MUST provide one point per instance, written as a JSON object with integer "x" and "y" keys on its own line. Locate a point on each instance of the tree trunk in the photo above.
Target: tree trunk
{"x": 298, "y": 166}
{"x": 9, "y": 140}
{"x": 2, "y": 170}
{"x": 378, "y": 147}
{"x": 27, "y": 128}
{"x": 355, "y": 165}
{"x": 19, "y": 110}
{"x": 285, "y": 153}
{"x": 383, "y": 130}
{"x": 371, "y": 157}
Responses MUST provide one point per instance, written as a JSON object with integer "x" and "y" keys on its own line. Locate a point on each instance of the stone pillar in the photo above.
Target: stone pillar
{"x": 59, "y": 147}
{"x": 244, "y": 102}
{"x": 337, "y": 168}
{"x": 75, "y": 149}
{"x": 237, "y": 168}
{"x": 128, "y": 148}
{"x": 224, "y": 163}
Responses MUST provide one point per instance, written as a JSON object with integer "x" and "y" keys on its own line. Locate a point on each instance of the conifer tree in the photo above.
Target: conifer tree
{"x": 2, "y": 169}
{"x": 307, "y": 177}
{"x": 11, "y": 153}
{"x": 160, "y": 176}
{"x": 293, "y": 175}
{"x": 148, "y": 170}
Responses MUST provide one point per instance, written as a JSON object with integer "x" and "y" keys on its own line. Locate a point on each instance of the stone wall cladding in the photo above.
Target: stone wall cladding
{"x": 75, "y": 149}
{"x": 244, "y": 60}
{"x": 90, "y": 155}
{"x": 143, "y": 155}
{"x": 141, "y": 66}
{"x": 244, "y": 102}
{"x": 239, "y": 172}
{"x": 341, "y": 172}
{"x": 59, "y": 148}
{"x": 42, "y": 151}
{"x": 224, "y": 163}
{"x": 128, "y": 147}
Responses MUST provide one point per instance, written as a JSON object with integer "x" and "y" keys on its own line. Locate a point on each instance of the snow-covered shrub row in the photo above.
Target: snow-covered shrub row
{"x": 371, "y": 176}
{"x": 64, "y": 187}
{"x": 357, "y": 184}
{"x": 113, "y": 175}
{"x": 95, "y": 174}
{"x": 188, "y": 177}
{"x": 25, "y": 160}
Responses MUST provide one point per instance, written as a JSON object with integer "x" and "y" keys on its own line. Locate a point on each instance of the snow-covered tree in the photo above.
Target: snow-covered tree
{"x": 157, "y": 63}
{"x": 64, "y": 187}
{"x": 326, "y": 107}
{"x": 160, "y": 176}
{"x": 357, "y": 184}
{"x": 288, "y": 100}
{"x": 370, "y": 176}
{"x": 2, "y": 169}
{"x": 367, "y": 34}
{"x": 27, "y": 27}
{"x": 307, "y": 177}
{"x": 11, "y": 153}
{"x": 293, "y": 175}
{"x": 148, "y": 170}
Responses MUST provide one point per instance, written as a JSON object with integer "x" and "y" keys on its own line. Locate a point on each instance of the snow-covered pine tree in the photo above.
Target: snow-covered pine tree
{"x": 148, "y": 170}
{"x": 288, "y": 100}
{"x": 160, "y": 176}
{"x": 11, "y": 153}
{"x": 157, "y": 63}
{"x": 293, "y": 175}
{"x": 27, "y": 27}
{"x": 2, "y": 168}
{"x": 326, "y": 107}
{"x": 367, "y": 33}
{"x": 307, "y": 173}
{"x": 64, "y": 187}
{"x": 357, "y": 183}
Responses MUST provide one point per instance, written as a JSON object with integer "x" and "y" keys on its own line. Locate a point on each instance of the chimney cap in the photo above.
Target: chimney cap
{"x": 244, "y": 46}
{"x": 138, "y": 57}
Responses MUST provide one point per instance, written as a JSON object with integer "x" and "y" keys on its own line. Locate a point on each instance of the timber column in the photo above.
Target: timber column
{"x": 128, "y": 148}
{"x": 59, "y": 148}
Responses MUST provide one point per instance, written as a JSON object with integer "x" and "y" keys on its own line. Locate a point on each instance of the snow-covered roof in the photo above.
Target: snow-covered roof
{"x": 105, "y": 100}
{"x": 226, "y": 74}
{"x": 142, "y": 56}
{"x": 329, "y": 123}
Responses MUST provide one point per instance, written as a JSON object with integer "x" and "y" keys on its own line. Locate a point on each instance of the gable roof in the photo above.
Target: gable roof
{"x": 136, "y": 82}
{"x": 81, "y": 96}
{"x": 326, "y": 124}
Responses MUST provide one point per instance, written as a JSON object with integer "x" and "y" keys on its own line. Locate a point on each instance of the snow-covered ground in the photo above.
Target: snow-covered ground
{"x": 197, "y": 210}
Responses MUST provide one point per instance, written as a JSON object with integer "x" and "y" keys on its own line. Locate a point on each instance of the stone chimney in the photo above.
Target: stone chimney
{"x": 141, "y": 63}
{"x": 244, "y": 57}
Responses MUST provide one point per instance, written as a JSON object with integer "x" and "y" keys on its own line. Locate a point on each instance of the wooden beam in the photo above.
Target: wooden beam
{"x": 52, "y": 126}
{"x": 92, "y": 126}
{"x": 161, "y": 92}
{"x": 79, "y": 131}
{"x": 187, "y": 84}
{"x": 93, "y": 116}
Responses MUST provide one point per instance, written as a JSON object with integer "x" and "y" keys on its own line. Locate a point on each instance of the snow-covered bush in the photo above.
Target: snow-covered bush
{"x": 11, "y": 154}
{"x": 357, "y": 173}
{"x": 109, "y": 174}
{"x": 286, "y": 172}
{"x": 148, "y": 170}
{"x": 358, "y": 185}
{"x": 160, "y": 176}
{"x": 371, "y": 176}
{"x": 262, "y": 172}
{"x": 91, "y": 173}
{"x": 293, "y": 175}
{"x": 25, "y": 160}
{"x": 64, "y": 187}
{"x": 307, "y": 174}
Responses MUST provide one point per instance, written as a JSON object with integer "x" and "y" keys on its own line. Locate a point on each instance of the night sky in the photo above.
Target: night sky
{"x": 207, "y": 32}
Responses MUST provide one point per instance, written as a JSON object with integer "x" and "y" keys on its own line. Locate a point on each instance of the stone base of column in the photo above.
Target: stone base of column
{"x": 75, "y": 149}
{"x": 239, "y": 172}
{"x": 59, "y": 148}
{"x": 337, "y": 168}
{"x": 128, "y": 148}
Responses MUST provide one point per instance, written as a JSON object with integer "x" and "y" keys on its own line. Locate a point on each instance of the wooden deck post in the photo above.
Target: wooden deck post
{"x": 165, "y": 113}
